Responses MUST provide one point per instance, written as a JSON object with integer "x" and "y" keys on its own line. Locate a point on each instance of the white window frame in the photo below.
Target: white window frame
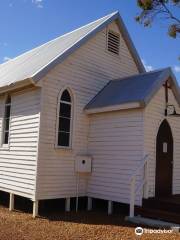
{"x": 71, "y": 119}
{"x": 6, "y": 145}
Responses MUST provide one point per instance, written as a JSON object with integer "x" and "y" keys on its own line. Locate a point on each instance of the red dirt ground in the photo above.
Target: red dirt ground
{"x": 70, "y": 226}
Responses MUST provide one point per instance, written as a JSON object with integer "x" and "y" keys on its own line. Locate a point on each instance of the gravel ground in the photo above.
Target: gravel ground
{"x": 82, "y": 226}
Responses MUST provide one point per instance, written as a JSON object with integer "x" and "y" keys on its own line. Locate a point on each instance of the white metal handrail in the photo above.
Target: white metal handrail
{"x": 143, "y": 184}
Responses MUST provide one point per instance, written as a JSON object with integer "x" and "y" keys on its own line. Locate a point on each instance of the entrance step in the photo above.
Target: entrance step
{"x": 166, "y": 204}
{"x": 158, "y": 214}
{"x": 161, "y": 208}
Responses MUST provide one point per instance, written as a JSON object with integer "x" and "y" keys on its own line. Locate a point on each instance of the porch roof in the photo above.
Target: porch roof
{"x": 132, "y": 92}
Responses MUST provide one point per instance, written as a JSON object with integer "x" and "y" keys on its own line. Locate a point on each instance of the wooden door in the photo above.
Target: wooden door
{"x": 164, "y": 160}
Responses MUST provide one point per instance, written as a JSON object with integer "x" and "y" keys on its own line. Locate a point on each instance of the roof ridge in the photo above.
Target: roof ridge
{"x": 107, "y": 16}
{"x": 81, "y": 38}
{"x": 141, "y": 74}
{"x": 136, "y": 91}
{"x": 37, "y": 62}
{"x": 113, "y": 16}
{"x": 61, "y": 36}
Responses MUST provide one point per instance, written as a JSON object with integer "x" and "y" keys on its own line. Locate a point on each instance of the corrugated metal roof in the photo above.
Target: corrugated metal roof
{"x": 138, "y": 88}
{"x": 37, "y": 62}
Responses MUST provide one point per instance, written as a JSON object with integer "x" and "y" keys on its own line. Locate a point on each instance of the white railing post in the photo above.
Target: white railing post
{"x": 132, "y": 197}
{"x": 143, "y": 185}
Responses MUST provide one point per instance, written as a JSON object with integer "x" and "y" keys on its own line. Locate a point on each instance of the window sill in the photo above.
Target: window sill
{"x": 63, "y": 148}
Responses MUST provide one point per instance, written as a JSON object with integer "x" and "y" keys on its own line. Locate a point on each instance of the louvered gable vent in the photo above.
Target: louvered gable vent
{"x": 113, "y": 42}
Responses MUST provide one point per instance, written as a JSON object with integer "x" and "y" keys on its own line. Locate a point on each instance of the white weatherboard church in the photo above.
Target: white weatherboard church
{"x": 80, "y": 116}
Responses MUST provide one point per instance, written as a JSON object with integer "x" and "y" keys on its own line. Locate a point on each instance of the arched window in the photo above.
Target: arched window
{"x": 6, "y": 123}
{"x": 65, "y": 118}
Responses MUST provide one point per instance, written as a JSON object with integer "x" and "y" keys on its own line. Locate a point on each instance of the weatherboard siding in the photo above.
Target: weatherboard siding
{"x": 154, "y": 115}
{"x": 18, "y": 163}
{"x": 116, "y": 144}
{"x": 85, "y": 72}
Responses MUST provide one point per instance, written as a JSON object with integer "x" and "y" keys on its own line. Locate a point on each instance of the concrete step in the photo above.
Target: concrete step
{"x": 142, "y": 221}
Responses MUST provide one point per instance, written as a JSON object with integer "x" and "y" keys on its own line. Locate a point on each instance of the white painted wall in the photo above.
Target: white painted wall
{"x": 85, "y": 72}
{"x": 18, "y": 162}
{"x": 116, "y": 143}
{"x": 154, "y": 115}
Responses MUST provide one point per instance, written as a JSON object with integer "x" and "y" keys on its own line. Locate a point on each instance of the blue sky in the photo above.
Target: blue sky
{"x": 25, "y": 24}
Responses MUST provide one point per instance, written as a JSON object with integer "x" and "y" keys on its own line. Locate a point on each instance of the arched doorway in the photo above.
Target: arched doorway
{"x": 164, "y": 160}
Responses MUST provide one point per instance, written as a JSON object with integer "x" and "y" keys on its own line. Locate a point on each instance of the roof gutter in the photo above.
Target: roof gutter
{"x": 123, "y": 106}
{"x": 17, "y": 85}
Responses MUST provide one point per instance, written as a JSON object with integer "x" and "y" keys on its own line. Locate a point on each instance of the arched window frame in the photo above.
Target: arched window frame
{"x": 71, "y": 119}
{"x": 6, "y": 119}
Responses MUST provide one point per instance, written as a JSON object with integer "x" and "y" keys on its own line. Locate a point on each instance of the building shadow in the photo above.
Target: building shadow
{"x": 54, "y": 210}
